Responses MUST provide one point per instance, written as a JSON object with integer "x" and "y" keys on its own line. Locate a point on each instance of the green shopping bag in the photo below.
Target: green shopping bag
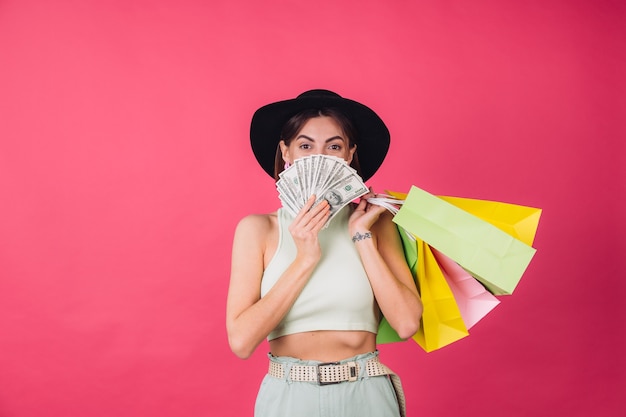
{"x": 492, "y": 256}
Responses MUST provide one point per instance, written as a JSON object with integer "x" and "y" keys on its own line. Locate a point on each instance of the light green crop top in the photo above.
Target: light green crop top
{"x": 338, "y": 296}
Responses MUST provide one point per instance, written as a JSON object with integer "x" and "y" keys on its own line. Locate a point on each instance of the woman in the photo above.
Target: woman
{"x": 317, "y": 293}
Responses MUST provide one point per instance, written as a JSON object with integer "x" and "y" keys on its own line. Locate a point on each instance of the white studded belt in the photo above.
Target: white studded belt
{"x": 328, "y": 372}
{"x": 336, "y": 372}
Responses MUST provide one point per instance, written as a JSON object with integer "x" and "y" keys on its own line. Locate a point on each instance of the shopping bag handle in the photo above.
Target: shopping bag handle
{"x": 386, "y": 201}
{"x": 390, "y": 203}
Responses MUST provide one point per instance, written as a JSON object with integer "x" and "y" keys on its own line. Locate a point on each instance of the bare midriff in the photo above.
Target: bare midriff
{"x": 324, "y": 345}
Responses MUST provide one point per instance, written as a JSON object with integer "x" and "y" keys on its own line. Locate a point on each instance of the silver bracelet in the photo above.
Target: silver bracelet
{"x": 358, "y": 236}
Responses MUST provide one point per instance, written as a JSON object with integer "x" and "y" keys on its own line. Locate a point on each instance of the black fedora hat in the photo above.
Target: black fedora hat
{"x": 372, "y": 134}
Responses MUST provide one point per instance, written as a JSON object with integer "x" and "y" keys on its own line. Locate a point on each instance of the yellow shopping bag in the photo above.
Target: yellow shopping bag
{"x": 521, "y": 222}
{"x": 441, "y": 322}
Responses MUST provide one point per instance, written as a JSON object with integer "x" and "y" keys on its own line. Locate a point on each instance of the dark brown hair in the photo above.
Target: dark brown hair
{"x": 295, "y": 124}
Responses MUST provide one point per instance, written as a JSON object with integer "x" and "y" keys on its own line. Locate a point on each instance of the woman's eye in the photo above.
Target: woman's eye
{"x": 305, "y": 146}
{"x": 335, "y": 147}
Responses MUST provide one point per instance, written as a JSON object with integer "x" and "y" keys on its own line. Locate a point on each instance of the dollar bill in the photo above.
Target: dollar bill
{"x": 291, "y": 182}
{"x": 342, "y": 192}
{"x": 328, "y": 177}
{"x": 338, "y": 172}
{"x": 286, "y": 197}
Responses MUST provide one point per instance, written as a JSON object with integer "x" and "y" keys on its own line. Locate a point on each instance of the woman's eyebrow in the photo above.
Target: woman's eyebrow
{"x": 334, "y": 138}
{"x": 313, "y": 140}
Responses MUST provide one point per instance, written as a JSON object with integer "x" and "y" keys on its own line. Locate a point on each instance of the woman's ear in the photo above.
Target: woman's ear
{"x": 284, "y": 150}
{"x": 352, "y": 151}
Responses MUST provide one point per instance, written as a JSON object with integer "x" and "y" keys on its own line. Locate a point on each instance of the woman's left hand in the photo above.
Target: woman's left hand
{"x": 365, "y": 215}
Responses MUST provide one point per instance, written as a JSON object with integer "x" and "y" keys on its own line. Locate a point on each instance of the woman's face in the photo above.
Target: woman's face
{"x": 319, "y": 135}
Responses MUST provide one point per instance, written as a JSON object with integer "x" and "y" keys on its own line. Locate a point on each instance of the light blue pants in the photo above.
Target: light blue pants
{"x": 365, "y": 397}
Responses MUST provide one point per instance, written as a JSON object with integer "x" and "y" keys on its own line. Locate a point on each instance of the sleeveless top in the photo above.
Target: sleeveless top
{"x": 338, "y": 295}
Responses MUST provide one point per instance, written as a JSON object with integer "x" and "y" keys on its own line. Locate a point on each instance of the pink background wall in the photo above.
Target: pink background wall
{"x": 125, "y": 166}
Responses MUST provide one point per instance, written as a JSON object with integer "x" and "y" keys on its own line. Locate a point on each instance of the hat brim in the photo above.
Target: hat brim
{"x": 372, "y": 135}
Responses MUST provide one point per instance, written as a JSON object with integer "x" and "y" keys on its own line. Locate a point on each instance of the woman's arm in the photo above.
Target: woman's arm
{"x": 383, "y": 258}
{"x": 250, "y": 318}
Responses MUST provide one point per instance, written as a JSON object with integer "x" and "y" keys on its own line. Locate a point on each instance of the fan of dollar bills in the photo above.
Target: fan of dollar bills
{"x": 328, "y": 177}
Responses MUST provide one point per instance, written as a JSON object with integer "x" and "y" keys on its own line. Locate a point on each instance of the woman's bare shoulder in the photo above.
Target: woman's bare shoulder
{"x": 257, "y": 223}
{"x": 255, "y": 232}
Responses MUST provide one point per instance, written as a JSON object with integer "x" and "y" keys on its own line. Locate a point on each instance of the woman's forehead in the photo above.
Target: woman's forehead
{"x": 322, "y": 127}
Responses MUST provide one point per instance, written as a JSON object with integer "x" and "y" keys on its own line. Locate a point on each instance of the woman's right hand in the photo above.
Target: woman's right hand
{"x": 305, "y": 229}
